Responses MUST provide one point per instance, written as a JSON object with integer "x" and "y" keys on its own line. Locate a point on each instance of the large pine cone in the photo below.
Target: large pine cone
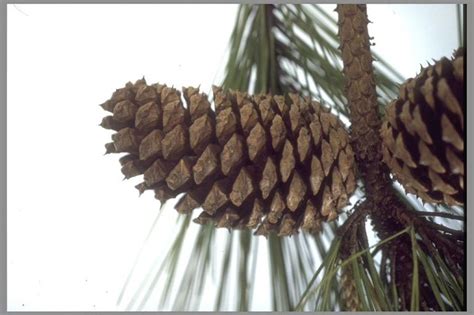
{"x": 423, "y": 133}
{"x": 265, "y": 162}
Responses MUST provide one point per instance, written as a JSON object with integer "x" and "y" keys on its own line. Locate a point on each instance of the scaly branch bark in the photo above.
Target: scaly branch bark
{"x": 388, "y": 212}
{"x": 362, "y": 98}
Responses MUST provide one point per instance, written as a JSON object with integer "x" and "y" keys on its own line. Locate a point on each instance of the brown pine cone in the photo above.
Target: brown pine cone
{"x": 350, "y": 297}
{"x": 423, "y": 133}
{"x": 273, "y": 163}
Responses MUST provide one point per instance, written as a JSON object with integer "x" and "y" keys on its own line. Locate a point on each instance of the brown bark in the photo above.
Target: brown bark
{"x": 362, "y": 99}
{"x": 389, "y": 214}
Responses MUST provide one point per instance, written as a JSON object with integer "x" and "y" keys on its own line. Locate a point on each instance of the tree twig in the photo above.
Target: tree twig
{"x": 440, "y": 214}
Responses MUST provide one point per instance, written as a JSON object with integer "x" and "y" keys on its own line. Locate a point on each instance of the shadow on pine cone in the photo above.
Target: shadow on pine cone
{"x": 423, "y": 133}
{"x": 273, "y": 163}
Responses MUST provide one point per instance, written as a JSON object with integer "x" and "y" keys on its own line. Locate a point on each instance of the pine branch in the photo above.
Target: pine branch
{"x": 281, "y": 48}
{"x": 388, "y": 213}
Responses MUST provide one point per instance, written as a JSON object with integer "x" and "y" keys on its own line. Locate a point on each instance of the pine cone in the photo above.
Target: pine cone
{"x": 273, "y": 163}
{"x": 423, "y": 141}
{"x": 350, "y": 297}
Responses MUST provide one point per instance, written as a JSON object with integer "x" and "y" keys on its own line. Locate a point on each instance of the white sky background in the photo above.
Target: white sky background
{"x": 74, "y": 227}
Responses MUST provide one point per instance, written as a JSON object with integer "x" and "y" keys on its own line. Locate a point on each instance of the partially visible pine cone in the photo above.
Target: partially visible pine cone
{"x": 350, "y": 297}
{"x": 423, "y": 133}
{"x": 273, "y": 163}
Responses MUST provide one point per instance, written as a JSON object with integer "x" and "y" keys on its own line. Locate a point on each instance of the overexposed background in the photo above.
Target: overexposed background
{"x": 74, "y": 227}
